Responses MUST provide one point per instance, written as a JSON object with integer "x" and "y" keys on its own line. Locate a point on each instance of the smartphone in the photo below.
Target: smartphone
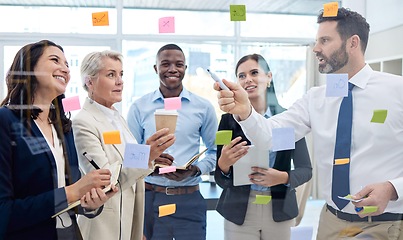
{"x": 217, "y": 79}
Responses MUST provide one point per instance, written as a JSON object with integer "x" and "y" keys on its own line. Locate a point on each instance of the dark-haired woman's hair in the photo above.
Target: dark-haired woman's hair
{"x": 22, "y": 83}
{"x": 271, "y": 98}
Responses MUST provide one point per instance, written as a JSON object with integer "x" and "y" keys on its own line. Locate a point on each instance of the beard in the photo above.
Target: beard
{"x": 335, "y": 62}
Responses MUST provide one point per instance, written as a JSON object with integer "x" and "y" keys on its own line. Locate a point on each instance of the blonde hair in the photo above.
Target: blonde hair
{"x": 92, "y": 64}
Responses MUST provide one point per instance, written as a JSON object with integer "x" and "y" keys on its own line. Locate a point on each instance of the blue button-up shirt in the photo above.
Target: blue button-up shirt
{"x": 196, "y": 119}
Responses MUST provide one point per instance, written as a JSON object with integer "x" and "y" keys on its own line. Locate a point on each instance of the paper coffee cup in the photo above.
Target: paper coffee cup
{"x": 166, "y": 119}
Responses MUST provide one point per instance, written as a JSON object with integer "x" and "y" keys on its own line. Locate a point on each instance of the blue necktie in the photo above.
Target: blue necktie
{"x": 341, "y": 164}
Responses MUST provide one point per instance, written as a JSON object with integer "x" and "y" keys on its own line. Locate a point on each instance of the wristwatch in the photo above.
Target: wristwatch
{"x": 198, "y": 172}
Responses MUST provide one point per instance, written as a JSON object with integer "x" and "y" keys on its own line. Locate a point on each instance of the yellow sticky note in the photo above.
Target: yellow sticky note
{"x": 379, "y": 116}
{"x": 262, "y": 199}
{"x": 341, "y": 161}
{"x": 369, "y": 209}
{"x": 112, "y": 137}
{"x": 166, "y": 210}
{"x": 237, "y": 12}
{"x": 100, "y": 19}
{"x": 223, "y": 137}
{"x": 330, "y": 9}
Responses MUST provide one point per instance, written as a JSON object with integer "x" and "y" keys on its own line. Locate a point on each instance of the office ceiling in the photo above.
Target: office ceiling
{"x": 298, "y": 7}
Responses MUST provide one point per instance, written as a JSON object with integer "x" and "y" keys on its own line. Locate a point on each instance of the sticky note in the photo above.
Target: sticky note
{"x": 369, "y": 209}
{"x": 348, "y": 197}
{"x": 337, "y": 85}
{"x": 330, "y": 9}
{"x": 112, "y": 137}
{"x": 283, "y": 139}
{"x": 165, "y": 210}
{"x": 136, "y": 156}
{"x": 71, "y": 104}
{"x": 223, "y": 137}
{"x": 262, "y": 199}
{"x": 237, "y": 12}
{"x": 341, "y": 161}
{"x": 167, "y": 169}
{"x": 100, "y": 19}
{"x": 166, "y": 25}
{"x": 173, "y": 103}
{"x": 36, "y": 145}
{"x": 379, "y": 116}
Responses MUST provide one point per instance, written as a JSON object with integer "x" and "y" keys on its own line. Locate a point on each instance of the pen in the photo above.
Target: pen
{"x": 91, "y": 161}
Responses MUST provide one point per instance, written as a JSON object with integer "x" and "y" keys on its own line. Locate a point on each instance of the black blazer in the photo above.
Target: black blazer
{"x": 233, "y": 201}
{"x": 29, "y": 194}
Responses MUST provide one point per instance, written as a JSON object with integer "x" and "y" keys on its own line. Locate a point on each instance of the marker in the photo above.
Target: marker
{"x": 91, "y": 161}
{"x": 217, "y": 79}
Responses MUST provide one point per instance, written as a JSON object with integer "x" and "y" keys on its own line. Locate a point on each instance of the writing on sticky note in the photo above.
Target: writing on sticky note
{"x": 379, "y": 116}
{"x": 283, "y": 139}
{"x": 165, "y": 210}
{"x": 337, "y": 85}
{"x": 168, "y": 169}
{"x": 223, "y": 137}
{"x": 166, "y": 25}
{"x": 330, "y": 9}
{"x": 100, "y": 19}
{"x": 173, "y": 103}
{"x": 112, "y": 137}
{"x": 341, "y": 161}
{"x": 136, "y": 156}
{"x": 369, "y": 209}
{"x": 237, "y": 12}
{"x": 71, "y": 104}
{"x": 262, "y": 199}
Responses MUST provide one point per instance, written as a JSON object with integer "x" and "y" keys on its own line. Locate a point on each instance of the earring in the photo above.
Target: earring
{"x": 92, "y": 97}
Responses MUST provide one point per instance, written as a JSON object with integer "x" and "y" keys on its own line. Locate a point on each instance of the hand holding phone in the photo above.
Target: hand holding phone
{"x": 217, "y": 79}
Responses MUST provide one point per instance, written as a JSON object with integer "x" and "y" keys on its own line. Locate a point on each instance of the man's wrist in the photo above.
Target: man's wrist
{"x": 197, "y": 172}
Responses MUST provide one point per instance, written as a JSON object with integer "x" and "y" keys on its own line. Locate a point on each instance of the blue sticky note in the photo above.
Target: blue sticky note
{"x": 337, "y": 85}
{"x": 136, "y": 156}
{"x": 283, "y": 139}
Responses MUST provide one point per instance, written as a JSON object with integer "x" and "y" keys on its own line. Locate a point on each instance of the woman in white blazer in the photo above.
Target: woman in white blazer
{"x": 122, "y": 217}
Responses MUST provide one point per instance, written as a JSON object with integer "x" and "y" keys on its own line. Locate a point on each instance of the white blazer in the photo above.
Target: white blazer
{"x": 88, "y": 126}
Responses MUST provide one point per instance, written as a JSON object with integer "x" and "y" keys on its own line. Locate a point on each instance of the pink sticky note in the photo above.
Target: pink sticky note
{"x": 166, "y": 25}
{"x": 167, "y": 169}
{"x": 71, "y": 104}
{"x": 173, "y": 103}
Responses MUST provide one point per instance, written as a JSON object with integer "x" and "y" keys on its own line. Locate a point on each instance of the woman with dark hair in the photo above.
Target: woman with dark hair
{"x": 39, "y": 173}
{"x": 243, "y": 218}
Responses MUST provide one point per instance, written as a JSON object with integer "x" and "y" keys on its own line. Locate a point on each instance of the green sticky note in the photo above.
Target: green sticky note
{"x": 379, "y": 116}
{"x": 369, "y": 209}
{"x": 262, "y": 199}
{"x": 223, "y": 137}
{"x": 237, "y": 12}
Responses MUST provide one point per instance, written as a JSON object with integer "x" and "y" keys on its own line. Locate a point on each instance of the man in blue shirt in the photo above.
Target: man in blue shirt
{"x": 196, "y": 119}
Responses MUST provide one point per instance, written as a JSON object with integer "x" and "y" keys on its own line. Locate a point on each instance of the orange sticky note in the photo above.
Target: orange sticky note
{"x": 166, "y": 210}
{"x": 166, "y": 25}
{"x": 112, "y": 137}
{"x": 173, "y": 103}
{"x": 341, "y": 161}
{"x": 330, "y": 9}
{"x": 100, "y": 19}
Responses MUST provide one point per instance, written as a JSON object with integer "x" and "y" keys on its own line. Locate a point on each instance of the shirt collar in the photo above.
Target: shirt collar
{"x": 157, "y": 95}
{"x": 361, "y": 78}
{"x": 110, "y": 113}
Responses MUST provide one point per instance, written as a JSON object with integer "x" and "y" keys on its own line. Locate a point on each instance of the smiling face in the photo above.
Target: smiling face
{"x": 253, "y": 78}
{"x": 106, "y": 89}
{"x": 330, "y": 49}
{"x": 170, "y": 68}
{"x": 52, "y": 73}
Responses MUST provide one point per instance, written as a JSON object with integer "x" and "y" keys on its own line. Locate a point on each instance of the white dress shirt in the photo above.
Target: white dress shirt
{"x": 376, "y": 148}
